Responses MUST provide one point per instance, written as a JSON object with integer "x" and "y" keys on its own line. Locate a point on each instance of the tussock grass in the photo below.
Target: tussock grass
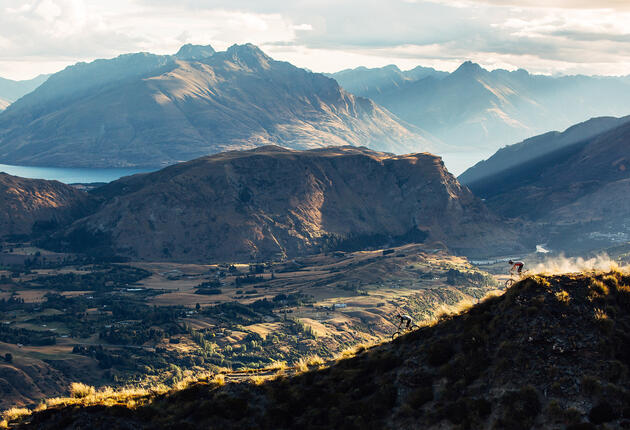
{"x": 219, "y": 379}
{"x": 79, "y": 390}
{"x": 14, "y": 414}
{"x": 277, "y": 365}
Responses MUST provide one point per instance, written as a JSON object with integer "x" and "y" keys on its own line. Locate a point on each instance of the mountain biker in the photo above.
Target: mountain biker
{"x": 403, "y": 319}
{"x": 516, "y": 265}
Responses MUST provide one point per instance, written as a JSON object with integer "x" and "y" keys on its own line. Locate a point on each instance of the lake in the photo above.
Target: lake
{"x": 71, "y": 175}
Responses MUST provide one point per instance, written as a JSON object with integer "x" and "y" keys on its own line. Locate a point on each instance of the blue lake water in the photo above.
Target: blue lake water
{"x": 71, "y": 175}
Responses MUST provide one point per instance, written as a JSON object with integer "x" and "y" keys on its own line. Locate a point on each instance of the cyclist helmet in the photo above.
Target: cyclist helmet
{"x": 511, "y": 262}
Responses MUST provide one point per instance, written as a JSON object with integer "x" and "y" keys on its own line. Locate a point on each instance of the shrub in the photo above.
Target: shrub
{"x": 520, "y": 408}
{"x": 79, "y": 390}
{"x": 15, "y": 413}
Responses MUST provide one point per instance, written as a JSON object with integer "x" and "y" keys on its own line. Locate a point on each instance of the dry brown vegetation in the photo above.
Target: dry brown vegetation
{"x": 538, "y": 356}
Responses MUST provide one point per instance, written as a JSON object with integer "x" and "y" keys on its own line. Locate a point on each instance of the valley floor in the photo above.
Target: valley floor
{"x": 64, "y": 320}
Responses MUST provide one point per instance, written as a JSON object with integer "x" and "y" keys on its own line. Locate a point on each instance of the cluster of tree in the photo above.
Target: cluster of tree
{"x": 209, "y": 287}
{"x": 102, "y": 278}
{"x": 131, "y": 334}
{"x": 24, "y": 336}
{"x": 11, "y": 304}
{"x": 248, "y": 279}
{"x": 357, "y": 242}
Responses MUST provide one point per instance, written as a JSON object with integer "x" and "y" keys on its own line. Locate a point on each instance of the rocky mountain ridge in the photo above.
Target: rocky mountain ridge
{"x": 479, "y": 110}
{"x": 154, "y": 110}
{"x": 273, "y": 202}
{"x": 576, "y": 194}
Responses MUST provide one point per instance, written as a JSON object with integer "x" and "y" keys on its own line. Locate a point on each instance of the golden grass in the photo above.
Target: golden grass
{"x": 563, "y": 297}
{"x": 314, "y": 360}
{"x": 14, "y": 414}
{"x": 258, "y": 379}
{"x": 600, "y": 315}
{"x": 277, "y": 365}
{"x": 219, "y": 379}
{"x": 79, "y": 390}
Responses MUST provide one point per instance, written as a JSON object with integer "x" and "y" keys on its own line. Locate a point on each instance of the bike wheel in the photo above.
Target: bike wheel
{"x": 509, "y": 283}
{"x": 395, "y": 335}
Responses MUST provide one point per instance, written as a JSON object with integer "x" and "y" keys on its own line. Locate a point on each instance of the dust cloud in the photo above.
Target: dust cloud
{"x": 561, "y": 264}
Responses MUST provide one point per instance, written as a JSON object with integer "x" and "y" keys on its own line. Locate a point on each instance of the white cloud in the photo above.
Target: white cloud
{"x": 543, "y": 36}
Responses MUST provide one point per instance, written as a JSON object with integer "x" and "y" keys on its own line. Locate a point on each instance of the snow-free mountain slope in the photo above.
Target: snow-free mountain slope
{"x": 272, "y": 202}
{"x": 149, "y": 110}
{"x": 480, "y": 110}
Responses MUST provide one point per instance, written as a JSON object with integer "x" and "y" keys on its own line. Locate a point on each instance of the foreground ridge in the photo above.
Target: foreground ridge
{"x": 552, "y": 352}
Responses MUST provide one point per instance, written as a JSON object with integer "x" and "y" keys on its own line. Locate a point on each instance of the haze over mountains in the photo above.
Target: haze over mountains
{"x": 575, "y": 183}
{"x": 11, "y": 90}
{"x": 151, "y": 110}
{"x": 273, "y": 202}
{"x": 479, "y": 110}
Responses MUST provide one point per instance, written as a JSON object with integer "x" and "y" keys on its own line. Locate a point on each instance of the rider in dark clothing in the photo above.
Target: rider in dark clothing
{"x": 403, "y": 319}
{"x": 516, "y": 265}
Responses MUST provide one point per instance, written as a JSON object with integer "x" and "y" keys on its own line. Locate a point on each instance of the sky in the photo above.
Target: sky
{"x": 542, "y": 36}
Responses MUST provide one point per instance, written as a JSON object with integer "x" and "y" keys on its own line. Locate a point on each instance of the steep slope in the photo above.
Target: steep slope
{"x": 148, "y": 110}
{"x": 550, "y": 353}
{"x": 479, "y": 110}
{"x": 273, "y": 202}
{"x": 576, "y": 193}
{"x": 11, "y": 90}
{"x": 25, "y": 203}
{"x": 529, "y": 149}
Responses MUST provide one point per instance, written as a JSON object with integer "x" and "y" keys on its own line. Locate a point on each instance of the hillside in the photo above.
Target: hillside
{"x": 577, "y": 193}
{"x": 273, "y": 202}
{"x": 183, "y": 319}
{"x": 154, "y": 110}
{"x": 11, "y": 90}
{"x": 479, "y": 110}
{"x": 29, "y": 203}
{"x": 550, "y": 353}
{"x": 512, "y": 155}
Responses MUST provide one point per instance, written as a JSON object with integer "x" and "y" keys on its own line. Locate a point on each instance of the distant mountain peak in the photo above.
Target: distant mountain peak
{"x": 194, "y": 52}
{"x": 250, "y": 55}
{"x": 469, "y": 68}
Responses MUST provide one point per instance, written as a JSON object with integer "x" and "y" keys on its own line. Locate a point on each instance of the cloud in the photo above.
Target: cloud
{"x": 543, "y": 36}
{"x": 619, "y": 5}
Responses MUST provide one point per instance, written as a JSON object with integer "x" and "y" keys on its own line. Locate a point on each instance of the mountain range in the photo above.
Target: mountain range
{"x": 478, "y": 110}
{"x": 576, "y": 184}
{"x": 272, "y": 202}
{"x": 154, "y": 110}
{"x": 11, "y": 90}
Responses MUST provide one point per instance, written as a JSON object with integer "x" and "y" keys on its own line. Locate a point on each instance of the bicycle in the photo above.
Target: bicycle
{"x": 404, "y": 330}
{"x": 512, "y": 281}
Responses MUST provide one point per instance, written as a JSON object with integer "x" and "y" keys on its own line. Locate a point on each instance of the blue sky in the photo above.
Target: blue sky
{"x": 552, "y": 36}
